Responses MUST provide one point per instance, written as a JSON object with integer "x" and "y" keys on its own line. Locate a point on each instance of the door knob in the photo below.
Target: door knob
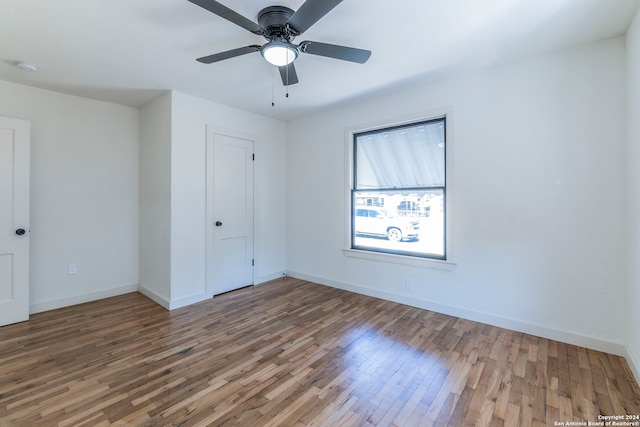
{"x": 218, "y": 223}
{"x": 20, "y": 231}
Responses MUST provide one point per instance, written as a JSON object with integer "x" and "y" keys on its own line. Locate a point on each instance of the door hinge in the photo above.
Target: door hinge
{"x": 253, "y": 262}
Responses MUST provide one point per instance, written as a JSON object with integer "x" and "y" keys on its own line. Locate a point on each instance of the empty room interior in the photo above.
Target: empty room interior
{"x": 357, "y": 213}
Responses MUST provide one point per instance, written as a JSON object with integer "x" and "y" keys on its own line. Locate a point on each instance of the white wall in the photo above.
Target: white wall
{"x": 539, "y": 203}
{"x": 155, "y": 199}
{"x": 185, "y": 271}
{"x": 190, "y": 116}
{"x": 633, "y": 79}
{"x": 84, "y": 195}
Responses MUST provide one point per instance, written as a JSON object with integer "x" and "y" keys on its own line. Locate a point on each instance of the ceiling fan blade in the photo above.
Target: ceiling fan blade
{"x": 309, "y": 13}
{"x": 228, "y": 14}
{"x": 335, "y": 51}
{"x": 228, "y": 54}
{"x": 288, "y": 74}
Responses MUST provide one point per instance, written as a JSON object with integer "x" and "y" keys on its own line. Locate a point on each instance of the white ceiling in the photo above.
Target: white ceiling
{"x": 129, "y": 51}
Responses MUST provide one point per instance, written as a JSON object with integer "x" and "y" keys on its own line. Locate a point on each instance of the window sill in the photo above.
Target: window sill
{"x": 400, "y": 259}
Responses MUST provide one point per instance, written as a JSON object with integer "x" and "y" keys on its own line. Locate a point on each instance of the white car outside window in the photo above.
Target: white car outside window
{"x": 378, "y": 222}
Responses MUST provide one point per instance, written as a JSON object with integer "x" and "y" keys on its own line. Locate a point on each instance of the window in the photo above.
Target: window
{"x": 398, "y": 194}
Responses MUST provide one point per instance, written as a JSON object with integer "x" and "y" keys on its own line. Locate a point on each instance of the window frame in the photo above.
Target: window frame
{"x": 448, "y": 262}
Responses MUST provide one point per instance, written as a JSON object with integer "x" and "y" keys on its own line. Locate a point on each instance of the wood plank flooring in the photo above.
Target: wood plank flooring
{"x": 294, "y": 353}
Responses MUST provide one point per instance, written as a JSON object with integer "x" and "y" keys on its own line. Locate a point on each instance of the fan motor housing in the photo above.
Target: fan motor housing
{"x": 274, "y": 19}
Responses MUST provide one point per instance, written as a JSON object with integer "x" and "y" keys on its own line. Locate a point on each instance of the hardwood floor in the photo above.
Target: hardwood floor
{"x": 294, "y": 353}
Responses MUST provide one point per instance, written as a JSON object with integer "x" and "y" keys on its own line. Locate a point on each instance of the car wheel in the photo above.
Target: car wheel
{"x": 394, "y": 234}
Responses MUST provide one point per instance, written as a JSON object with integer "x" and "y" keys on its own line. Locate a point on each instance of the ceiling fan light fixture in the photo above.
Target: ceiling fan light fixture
{"x": 279, "y": 53}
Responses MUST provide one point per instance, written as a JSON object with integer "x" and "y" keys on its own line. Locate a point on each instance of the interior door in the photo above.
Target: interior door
{"x": 15, "y": 143}
{"x": 229, "y": 211}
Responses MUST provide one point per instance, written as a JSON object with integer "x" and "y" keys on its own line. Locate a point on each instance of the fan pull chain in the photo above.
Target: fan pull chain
{"x": 273, "y": 86}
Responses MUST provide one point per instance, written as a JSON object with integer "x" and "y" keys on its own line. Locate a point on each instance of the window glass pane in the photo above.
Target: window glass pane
{"x": 406, "y": 222}
{"x": 404, "y": 157}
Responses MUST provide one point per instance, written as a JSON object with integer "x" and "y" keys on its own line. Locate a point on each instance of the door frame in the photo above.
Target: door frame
{"x": 211, "y": 130}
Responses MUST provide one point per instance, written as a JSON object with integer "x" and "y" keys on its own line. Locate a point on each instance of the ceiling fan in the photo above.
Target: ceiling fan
{"x": 280, "y": 25}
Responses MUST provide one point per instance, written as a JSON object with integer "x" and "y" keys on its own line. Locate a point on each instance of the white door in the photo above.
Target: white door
{"x": 15, "y": 141}
{"x": 229, "y": 211}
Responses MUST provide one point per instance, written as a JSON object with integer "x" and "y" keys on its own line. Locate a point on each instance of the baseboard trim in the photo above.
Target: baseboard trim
{"x": 194, "y": 299}
{"x": 502, "y": 322}
{"x": 269, "y": 277}
{"x": 158, "y": 299}
{"x": 191, "y": 299}
{"x": 634, "y": 363}
{"x": 81, "y": 299}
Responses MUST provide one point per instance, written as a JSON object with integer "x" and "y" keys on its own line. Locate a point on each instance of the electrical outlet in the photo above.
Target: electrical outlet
{"x": 72, "y": 269}
{"x": 408, "y": 284}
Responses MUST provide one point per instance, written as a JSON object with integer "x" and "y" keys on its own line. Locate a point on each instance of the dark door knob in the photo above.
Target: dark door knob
{"x": 218, "y": 223}
{"x": 20, "y": 231}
